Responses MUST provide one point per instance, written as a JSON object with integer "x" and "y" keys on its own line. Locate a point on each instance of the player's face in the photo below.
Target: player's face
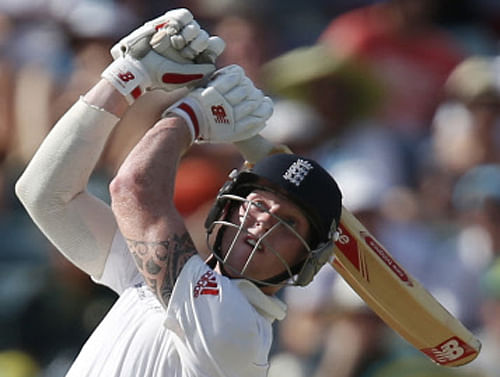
{"x": 245, "y": 255}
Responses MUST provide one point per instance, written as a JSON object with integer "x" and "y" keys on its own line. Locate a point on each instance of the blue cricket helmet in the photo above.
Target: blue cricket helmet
{"x": 305, "y": 183}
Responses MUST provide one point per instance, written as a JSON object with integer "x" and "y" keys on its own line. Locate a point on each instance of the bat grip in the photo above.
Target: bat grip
{"x": 257, "y": 147}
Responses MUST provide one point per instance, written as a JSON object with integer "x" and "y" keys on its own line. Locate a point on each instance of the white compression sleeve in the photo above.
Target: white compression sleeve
{"x": 53, "y": 187}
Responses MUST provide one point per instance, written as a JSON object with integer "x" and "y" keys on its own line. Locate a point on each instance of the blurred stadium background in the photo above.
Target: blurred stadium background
{"x": 399, "y": 99}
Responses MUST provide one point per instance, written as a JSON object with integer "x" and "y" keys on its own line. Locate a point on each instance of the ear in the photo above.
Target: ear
{"x": 319, "y": 257}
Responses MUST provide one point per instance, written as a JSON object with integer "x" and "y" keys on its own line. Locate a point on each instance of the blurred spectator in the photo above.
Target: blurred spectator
{"x": 295, "y": 124}
{"x": 476, "y": 197}
{"x": 320, "y": 318}
{"x": 465, "y": 132}
{"x": 470, "y": 245}
{"x": 488, "y": 362}
{"x": 340, "y": 90}
{"x": 466, "y": 129}
{"x": 458, "y": 183}
{"x": 14, "y": 363}
{"x": 249, "y": 43}
{"x": 6, "y": 87}
{"x": 405, "y": 47}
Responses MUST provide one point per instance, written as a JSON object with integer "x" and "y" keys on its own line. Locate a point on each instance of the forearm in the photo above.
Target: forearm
{"x": 142, "y": 201}
{"x": 147, "y": 176}
{"x": 52, "y": 188}
{"x": 104, "y": 96}
{"x": 65, "y": 160}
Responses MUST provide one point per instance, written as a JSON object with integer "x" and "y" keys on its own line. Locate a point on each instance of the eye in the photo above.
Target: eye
{"x": 253, "y": 207}
{"x": 261, "y": 204}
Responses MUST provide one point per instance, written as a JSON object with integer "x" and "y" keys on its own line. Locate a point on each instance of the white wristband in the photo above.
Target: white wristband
{"x": 127, "y": 76}
{"x": 189, "y": 110}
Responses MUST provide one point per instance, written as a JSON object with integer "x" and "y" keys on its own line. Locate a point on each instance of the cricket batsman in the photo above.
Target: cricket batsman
{"x": 271, "y": 225}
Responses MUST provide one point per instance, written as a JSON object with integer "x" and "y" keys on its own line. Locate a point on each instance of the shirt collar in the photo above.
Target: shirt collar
{"x": 270, "y": 307}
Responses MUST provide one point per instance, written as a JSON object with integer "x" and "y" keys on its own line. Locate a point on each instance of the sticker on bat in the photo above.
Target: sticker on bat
{"x": 449, "y": 351}
{"x": 348, "y": 246}
{"x": 386, "y": 258}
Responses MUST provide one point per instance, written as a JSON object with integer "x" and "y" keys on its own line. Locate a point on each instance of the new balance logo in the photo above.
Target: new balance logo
{"x": 297, "y": 171}
{"x": 219, "y": 114}
{"x": 449, "y": 351}
{"x": 126, "y": 76}
{"x": 207, "y": 285}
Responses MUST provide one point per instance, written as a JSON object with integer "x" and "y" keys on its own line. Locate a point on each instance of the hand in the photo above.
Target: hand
{"x": 228, "y": 109}
{"x": 168, "y": 53}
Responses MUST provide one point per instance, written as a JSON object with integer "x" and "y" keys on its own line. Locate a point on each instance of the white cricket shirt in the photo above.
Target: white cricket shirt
{"x": 213, "y": 326}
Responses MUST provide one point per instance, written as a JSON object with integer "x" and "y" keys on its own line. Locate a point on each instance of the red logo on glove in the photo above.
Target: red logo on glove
{"x": 127, "y": 76}
{"x": 219, "y": 114}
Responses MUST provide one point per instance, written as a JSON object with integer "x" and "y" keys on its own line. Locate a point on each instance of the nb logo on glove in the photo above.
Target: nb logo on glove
{"x": 127, "y": 76}
{"x": 219, "y": 114}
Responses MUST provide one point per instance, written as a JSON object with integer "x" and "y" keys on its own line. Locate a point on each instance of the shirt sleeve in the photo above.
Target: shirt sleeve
{"x": 120, "y": 271}
{"x": 53, "y": 187}
{"x": 218, "y": 332}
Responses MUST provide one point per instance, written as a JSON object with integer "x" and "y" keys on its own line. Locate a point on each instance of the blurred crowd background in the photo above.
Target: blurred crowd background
{"x": 398, "y": 99}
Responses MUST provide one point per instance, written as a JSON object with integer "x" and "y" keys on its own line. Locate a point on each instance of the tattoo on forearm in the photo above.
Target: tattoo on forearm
{"x": 161, "y": 262}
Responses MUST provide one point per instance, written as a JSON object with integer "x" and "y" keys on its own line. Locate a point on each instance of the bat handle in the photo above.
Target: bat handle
{"x": 257, "y": 147}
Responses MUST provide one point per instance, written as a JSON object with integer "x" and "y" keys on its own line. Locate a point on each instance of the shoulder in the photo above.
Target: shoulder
{"x": 222, "y": 310}
{"x": 214, "y": 316}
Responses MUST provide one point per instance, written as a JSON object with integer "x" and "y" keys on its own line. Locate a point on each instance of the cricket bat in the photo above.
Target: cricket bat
{"x": 386, "y": 287}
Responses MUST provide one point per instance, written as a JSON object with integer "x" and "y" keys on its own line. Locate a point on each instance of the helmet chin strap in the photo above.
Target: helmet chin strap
{"x": 276, "y": 280}
{"x": 283, "y": 276}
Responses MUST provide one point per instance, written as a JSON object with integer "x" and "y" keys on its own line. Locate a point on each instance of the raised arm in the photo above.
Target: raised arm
{"x": 53, "y": 186}
{"x": 161, "y": 54}
{"x": 142, "y": 201}
{"x": 230, "y": 108}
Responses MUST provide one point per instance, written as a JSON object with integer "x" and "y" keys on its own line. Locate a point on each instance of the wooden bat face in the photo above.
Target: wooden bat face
{"x": 399, "y": 299}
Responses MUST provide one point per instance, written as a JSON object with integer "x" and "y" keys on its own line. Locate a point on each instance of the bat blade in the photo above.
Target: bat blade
{"x": 386, "y": 287}
{"x": 398, "y": 298}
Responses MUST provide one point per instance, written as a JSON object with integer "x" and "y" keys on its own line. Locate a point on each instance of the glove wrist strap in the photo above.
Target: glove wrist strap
{"x": 127, "y": 77}
{"x": 189, "y": 110}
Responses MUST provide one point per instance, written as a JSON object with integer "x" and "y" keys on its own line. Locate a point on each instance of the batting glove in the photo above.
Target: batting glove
{"x": 168, "y": 53}
{"x": 230, "y": 108}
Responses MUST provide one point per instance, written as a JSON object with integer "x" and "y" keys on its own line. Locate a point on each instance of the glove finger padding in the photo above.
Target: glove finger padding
{"x": 163, "y": 44}
{"x": 168, "y": 53}
{"x": 190, "y": 32}
{"x": 214, "y": 48}
{"x": 229, "y": 109}
{"x": 172, "y": 21}
{"x": 197, "y": 45}
{"x": 250, "y": 126}
{"x": 251, "y": 102}
{"x": 245, "y": 109}
{"x": 237, "y": 94}
{"x": 265, "y": 109}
